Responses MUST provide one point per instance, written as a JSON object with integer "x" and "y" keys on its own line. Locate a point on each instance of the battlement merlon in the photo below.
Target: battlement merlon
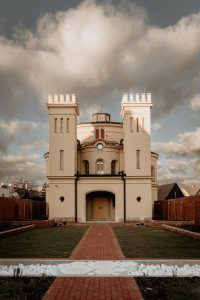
{"x": 62, "y": 98}
{"x": 136, "y": 100}
{"x": 59, "y": 100}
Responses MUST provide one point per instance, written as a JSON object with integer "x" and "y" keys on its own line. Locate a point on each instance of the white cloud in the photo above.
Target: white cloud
{"x": 19, "y": 158}
{"x": 14, "y": 130}
{"x": 156, "y": 126}
{"x": 187, "y": 144}
{"x": 16, "y": 126}
{"x": 21, "y": 164}
{"x": 97, "y": 50}
{"x": 195, "y": 103}
{"x": 35, "y": 145}
{"x": 94, "y": 49}
{"x": 181, "y": 171}
{"x": 87, "y": 112}
{"x": 180, "y": 159}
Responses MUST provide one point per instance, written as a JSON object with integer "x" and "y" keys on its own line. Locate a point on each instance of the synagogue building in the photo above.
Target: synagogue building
{"x": 101, "y": 170}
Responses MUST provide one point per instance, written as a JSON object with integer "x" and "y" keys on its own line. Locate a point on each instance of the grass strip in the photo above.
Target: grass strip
{"x": 53, "y": 242}
{"x": 146, "y": 242}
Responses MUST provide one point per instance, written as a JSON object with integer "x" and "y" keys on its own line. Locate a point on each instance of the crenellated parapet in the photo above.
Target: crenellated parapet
{"x": 135, "y": 102}
{"x": 136, "y": 98}
{"x": 62, "y": 99}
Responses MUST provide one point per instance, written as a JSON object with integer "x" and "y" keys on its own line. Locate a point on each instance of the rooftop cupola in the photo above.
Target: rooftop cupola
{"x": 101, "y": 118}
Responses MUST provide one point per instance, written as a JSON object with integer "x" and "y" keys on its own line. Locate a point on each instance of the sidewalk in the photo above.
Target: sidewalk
{"x": 99, "y": 242}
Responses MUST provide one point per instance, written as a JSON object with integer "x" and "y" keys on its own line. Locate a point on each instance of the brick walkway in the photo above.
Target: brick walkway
{"x": 99, "y": 242}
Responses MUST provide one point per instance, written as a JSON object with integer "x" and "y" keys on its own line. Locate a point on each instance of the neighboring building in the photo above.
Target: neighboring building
{"x": 4, "y": 191}
{"x": 7, "y": 191}
{"x": 190, "y": 190}
{"x": 100, "y": 170}
{"x": 169, "y": 191}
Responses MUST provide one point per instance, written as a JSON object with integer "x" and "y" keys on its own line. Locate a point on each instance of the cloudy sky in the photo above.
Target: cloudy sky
{"x": 99, "y": 49}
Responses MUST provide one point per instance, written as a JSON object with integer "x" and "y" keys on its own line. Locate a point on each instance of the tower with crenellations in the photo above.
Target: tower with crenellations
{"x": 136, "y": 114}
{"x": 100, "y": 170}
{"x": 62, "y": 158}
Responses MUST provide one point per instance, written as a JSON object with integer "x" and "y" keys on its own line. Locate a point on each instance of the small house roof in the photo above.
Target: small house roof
{"x": 164, "y": 190}
{"x": 190, "y": 189}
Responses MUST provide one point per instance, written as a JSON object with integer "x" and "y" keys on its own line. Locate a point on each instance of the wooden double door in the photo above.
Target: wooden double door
{"x": 100, "y": 206}
{"x": 100, "y": 209}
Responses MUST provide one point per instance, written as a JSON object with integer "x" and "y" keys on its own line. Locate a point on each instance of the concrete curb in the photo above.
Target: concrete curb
{"x": 159, "y": 223}
{"x": 17, "y": 230}
{"x": 191, "y": 234}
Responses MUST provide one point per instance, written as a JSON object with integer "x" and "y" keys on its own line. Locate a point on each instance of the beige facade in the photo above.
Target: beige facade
{"x": 102, "y": 170}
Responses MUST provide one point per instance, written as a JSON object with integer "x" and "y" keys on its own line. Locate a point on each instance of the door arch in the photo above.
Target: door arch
{"x": 100, "y": 206}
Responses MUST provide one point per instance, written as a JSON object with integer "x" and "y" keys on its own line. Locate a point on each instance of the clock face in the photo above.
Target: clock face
{"x": 99, "y": 146}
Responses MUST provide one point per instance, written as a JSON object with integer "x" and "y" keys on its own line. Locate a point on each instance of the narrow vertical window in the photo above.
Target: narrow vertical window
{"x": 61, "y": 160}
{"x": 137, "y": 125}
{"x": 113, "y": 167}
{"x": 131, "y": 124}
{"x": 102, "y": 134}
{"x": 55, "y": 125}
{"x": 143, "y": 128}
{"x": 138, "y": 159}
{"x": 67, "y": 125}
{"x": 86, "y": 167}
{"x": 97, "y": 134}
{"x": 61, "y": 125}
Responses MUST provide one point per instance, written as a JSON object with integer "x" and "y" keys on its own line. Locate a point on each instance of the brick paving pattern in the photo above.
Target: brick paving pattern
{"x": 98, "y": 243}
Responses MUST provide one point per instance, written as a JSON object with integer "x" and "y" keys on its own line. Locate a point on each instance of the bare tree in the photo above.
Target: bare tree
{"x": 24, "y": 187}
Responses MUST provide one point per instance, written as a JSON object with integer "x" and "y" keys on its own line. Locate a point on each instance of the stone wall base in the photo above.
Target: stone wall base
{"x": 156, "y": 223}
{"x": 194, "y": 235}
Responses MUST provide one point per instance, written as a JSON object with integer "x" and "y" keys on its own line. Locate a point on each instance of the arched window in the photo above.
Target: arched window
{"x": 113, "y": 167}
{"x": 97, "y": 134}
{"x": 86, "y": 167}
{"x": 153, "y": 174}
{"x": 100, "y": 166}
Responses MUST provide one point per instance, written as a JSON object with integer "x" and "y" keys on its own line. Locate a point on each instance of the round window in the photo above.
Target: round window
{"x": 99, "y": 146}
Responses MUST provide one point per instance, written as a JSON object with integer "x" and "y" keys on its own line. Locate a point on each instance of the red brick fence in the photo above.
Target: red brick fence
{"x": 182, "y": 209}
{"x": 21, "y": 209}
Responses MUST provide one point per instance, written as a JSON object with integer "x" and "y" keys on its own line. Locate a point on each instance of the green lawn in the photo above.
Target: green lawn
{"x": 51, "y": 242}
{"x": 23, "y": 288}
{"x": 146, "y": 242}
{"x": 169, "y": 288}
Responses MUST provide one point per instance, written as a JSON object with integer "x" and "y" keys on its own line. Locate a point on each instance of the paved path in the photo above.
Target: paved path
{"x": 99, "y": 242}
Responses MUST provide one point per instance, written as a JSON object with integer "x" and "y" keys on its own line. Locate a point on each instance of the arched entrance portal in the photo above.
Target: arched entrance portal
{"x": 100, "y": 206}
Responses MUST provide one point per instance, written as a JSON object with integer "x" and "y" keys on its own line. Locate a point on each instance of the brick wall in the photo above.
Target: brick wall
{"x": 21, "y": 209}
{"x": 182, "y": 209}
{"x": 197, "y": 212}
